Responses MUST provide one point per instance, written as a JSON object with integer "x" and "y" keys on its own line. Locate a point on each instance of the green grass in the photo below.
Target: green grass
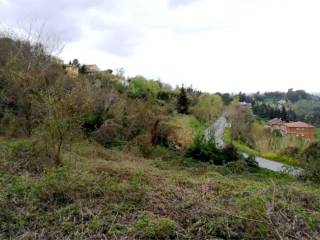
{"x": 108, "y": 194}
{"x": 318, "y": 133}
{"x": 271, "y": 156}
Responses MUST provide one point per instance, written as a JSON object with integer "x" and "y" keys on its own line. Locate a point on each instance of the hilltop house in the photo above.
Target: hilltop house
{"x": 298, "y": 129}
{"x": 71, "y": 70}
{"x": 90, "y": 69}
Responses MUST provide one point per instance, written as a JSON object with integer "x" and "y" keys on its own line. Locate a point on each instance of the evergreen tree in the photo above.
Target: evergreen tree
{"x": 284, "y": 115}
{"x": 183, "y": 102}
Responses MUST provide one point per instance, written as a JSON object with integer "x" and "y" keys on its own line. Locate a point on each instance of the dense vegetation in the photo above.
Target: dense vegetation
{"x": 290, "y": 106}
{"x": 104, "y": 157}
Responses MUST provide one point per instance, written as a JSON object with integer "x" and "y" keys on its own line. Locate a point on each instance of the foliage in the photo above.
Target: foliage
{"x": 141, "y": 88}
{"x": 151, "y": 227}
{"x": 27, "y": 156}
{"x": 311, "y": 162}
{"x": 279, "y": 157}
{"x": 61, "y": 119}
{"x": 178, "y": 131}
{"x": 208, "y": 108}
{"x": 108, "y": 194}
{"x": 206, "y": 151}
{"x": 183, "y": 102}
{"x": 241, "y": 119}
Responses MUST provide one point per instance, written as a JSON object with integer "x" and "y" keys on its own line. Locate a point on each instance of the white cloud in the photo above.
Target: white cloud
{"x": 221, "y": 45}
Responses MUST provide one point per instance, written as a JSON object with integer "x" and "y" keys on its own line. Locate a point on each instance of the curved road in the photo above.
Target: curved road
{"x": 217, "y": 130}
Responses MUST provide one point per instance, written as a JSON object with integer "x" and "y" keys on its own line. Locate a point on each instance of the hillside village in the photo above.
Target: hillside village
{"x": 89, "y": 154}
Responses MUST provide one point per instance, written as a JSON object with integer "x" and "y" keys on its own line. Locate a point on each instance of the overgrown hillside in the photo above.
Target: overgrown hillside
{"x": 101, "y": 156}
{"x": 108, "y": 194}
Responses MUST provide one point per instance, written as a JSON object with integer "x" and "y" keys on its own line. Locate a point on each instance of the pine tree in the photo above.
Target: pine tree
{"x": 284, "y": 115}
{"x": 183, "y": 102}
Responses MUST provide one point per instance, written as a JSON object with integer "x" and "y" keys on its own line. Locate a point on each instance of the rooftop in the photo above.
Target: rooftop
{"x": 299, "y": 125}
{"x": 91, "y": 68}
{"x": 275, "y": 121}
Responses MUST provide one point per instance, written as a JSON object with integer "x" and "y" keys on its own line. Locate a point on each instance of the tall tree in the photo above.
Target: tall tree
{"x": 183, "y": 102}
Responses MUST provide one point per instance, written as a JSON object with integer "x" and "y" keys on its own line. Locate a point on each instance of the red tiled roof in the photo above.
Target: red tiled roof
{"x": 299, "y": 125}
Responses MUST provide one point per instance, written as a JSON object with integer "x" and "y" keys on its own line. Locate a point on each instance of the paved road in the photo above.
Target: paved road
{"x": 217, "y": 130}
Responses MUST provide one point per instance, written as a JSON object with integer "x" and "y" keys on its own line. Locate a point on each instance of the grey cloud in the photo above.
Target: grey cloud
{"x": 65, "y": 19}
{"x": 60, "y": 17}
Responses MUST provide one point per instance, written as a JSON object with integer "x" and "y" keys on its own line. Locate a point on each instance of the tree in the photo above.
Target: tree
{"x": 208, "y": 107}
{"x": 25, "y": 69}
{"x": 76, "y": 63}
{"x": 64, "y": 110}
{"x": 284, "y": 115}
{"x": 241, "y": 119}
{"x": 183, "y": 102}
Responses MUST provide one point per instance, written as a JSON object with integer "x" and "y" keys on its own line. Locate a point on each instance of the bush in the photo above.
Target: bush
{"x": 208, "y": 108}
{"x": 178, "y": 132}
{"x": 10, "y": 125}
{"x": 251, "y": 162}
{"x": 311, "y": 162}
{"x": 149, "y": 226}
{"x": 237, "y": 167}
{"x": 206, "y": 151}
{"x": 25, "y": 155}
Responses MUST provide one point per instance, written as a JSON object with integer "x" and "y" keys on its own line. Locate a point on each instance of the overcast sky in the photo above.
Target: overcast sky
{"x": 214, "y": 45}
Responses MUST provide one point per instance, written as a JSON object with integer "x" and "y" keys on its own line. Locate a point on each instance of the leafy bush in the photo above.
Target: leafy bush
{"x": 25, "y": 155}
{"x": 178, "y": 132}
{"x": 291, "y": 151}
{"x": 206, "y": 151}
{"x": 237, "y": 167}
{"x": 311, "y": 162}
{"x": 93, "y": 121}
{"x": 10, "y": 125}
{"x": 208, "y": 108}
{"x": 149, "y": 226}
{"x": 251, "y": 162}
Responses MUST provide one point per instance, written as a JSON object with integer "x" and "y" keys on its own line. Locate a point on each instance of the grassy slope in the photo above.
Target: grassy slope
{"x": 105, "y": 194}
{"x": 272, "y": 156}
{"x": 318, "y": 133}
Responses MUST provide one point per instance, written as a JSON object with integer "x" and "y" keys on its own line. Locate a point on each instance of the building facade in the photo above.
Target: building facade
{"x": 71, "y": 70}
{"x": 297, "y": 129}
{"x": 90, "y": 69}
{"x": 301, "y": 129}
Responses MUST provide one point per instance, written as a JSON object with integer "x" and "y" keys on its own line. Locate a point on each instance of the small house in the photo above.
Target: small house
{"x": 90, "y": 69}
{"x": 71, "y": 70}
{"x": 301, "y": 129}
{"x": 297, "y": 129}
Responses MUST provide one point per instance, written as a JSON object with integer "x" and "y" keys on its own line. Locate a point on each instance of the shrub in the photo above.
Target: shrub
{"x": 237, "y": 167}
{"x": 10, "y": 125}
{"x": 149, "y": 226}
{"x": 251, "y": 162}
{"x": 208, "y": 108}
{"x": 311, "y": 162}
{"x": 206, "y": 151}
{"x": 178, "y": 132}
{"x": 26, "y": 155}
{"x": 92, "y": 121}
